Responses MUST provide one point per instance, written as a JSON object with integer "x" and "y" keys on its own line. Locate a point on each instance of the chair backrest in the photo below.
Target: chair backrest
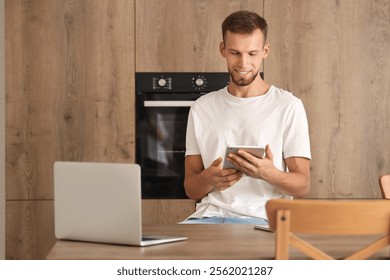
{"x": 384, "y": 184}
{"x": 328, "y": 217}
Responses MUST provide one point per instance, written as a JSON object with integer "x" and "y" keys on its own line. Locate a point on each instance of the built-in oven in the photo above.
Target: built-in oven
{"x": 163, "y": 101}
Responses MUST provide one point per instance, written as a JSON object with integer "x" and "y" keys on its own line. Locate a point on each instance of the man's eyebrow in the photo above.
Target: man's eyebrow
{"x": 251, "y": 51}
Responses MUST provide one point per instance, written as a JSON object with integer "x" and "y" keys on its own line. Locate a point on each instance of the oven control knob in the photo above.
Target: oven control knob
{"x": 199, "y": 82}
{"x": 162, "y": 82}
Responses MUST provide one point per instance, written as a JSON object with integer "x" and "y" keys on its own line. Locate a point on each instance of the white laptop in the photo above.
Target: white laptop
{"x": 100, "y": 202}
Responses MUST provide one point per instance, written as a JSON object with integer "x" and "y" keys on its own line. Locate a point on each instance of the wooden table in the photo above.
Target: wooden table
{"x": 207, "y": 242}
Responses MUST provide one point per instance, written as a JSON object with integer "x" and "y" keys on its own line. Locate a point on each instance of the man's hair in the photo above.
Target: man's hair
{"x": 244, "y": 22}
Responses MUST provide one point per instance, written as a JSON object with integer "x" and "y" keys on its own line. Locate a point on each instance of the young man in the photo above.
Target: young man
{"x": 248, "y": 112}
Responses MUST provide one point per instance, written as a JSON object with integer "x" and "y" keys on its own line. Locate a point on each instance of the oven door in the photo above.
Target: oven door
{"x": 161, "y": 124}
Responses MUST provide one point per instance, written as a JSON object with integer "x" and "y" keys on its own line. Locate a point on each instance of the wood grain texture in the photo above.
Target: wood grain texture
{"x": 69, "y": 96}
{"x": 29, "y": 229}
{"x": 208, "y": 242}
{"x": 69, "y": 88}
{"x": 2, "y": 135}
{"x": 333, "y": 55}
{"x": 183, "y": 35}
{"x": 167, "y": 211}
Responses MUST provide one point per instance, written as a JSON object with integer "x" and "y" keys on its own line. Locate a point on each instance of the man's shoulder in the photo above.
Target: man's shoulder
{"x": 207, "y": 97}
{"x": 279, "y": 91}
{"x": 283, "y": 94}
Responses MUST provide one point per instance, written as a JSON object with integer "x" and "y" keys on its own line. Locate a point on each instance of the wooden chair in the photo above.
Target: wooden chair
{"x": 384, "y": 183}
{"x": 327, "y": 217}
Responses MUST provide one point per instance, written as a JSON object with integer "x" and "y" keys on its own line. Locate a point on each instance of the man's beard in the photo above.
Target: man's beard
{"x": 242, "y": 82}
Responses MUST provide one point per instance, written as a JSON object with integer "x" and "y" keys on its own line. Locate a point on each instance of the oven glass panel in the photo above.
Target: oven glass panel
{"x": 161, "y": 150}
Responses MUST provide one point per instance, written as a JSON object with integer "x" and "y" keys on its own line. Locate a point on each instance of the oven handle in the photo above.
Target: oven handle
{"x": 168, "y": 103}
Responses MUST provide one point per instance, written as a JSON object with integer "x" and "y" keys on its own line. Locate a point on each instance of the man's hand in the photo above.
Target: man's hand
{"x": 219, "y": 178}
{"x": 259, "y": 168}
{"x": 198, "y": 181}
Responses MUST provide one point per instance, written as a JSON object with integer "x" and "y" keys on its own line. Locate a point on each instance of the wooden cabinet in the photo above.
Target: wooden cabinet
{"x": 333, "y": 55}
{"x": 183, "y": 35}
{"x": 166, "y": 211}
{"x": 2, "y": 135}
{"x": 30, "y": 229}
{"x": 69, "y": 88}
{"x": 69, "y": 96}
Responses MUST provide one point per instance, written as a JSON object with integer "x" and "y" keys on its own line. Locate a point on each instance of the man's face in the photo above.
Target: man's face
{"x": 244, "y": 54}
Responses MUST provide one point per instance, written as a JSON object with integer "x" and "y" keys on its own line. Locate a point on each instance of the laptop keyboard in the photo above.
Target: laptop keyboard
{"x": 147, "y": 238}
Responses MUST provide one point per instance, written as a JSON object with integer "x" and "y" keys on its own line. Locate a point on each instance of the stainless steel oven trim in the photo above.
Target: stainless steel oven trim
{"x": 168, "y": 103}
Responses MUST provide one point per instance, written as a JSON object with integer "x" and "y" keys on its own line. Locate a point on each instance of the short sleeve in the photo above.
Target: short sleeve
{"x": 192, "y": 147}
{"x": 296, "y": 141}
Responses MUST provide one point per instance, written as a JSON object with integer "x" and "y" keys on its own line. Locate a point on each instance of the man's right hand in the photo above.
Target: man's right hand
{"x": 198, "y": 181}
{"x": 219, "y": 178}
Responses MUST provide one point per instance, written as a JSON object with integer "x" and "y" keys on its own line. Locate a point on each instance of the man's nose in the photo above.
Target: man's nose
{"x": 244, "y": 60}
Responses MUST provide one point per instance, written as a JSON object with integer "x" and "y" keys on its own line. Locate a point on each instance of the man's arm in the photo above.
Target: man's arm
{"x": 198, "y": 181}
{"x": 296, "y": 182}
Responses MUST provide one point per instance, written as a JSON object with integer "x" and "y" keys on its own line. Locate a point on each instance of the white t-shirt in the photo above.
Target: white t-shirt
{"x": 219, "y": 119}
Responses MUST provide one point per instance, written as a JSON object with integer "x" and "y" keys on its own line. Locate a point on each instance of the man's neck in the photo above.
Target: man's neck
{"x": 256, "y": 88}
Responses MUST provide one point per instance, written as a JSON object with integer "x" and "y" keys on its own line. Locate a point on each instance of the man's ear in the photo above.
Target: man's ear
{"x": 266, "y": 50}
{"x": 222, "y": 49}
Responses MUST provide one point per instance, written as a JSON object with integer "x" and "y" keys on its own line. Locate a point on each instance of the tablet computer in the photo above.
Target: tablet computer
{"x": 263, "y": 227}
{"x": 253, "y": 150}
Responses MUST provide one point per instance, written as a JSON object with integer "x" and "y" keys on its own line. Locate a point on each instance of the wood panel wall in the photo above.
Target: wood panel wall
{"x": 183, "y": 35}
{"x": 68, "y": 97}
{"x": 334, "y": 56}
{"x": 70, "y": 82}
{"x": 2, "y": 134}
